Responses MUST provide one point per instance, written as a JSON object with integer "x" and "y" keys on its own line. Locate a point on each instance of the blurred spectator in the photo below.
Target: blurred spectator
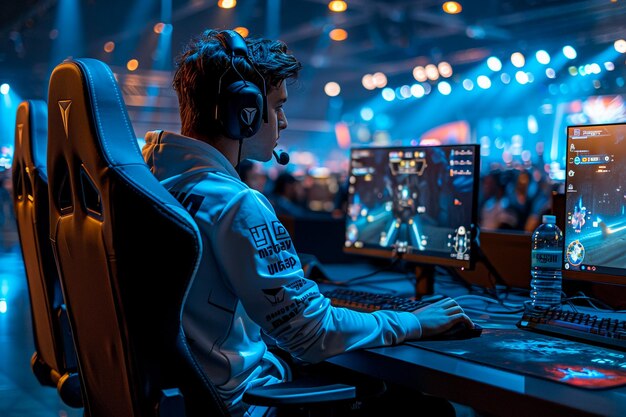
{"x": 287, "y": 197}
{"x": 251, "y": 172}
{"x": 494, "y": 211}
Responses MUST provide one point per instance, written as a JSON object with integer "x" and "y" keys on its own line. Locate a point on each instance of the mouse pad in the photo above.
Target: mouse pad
{"x": 530, "y": 353}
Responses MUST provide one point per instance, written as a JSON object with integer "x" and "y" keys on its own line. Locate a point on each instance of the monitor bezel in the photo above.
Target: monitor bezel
{"x": 586, "y": 276}
{"x": 416, "y": 257}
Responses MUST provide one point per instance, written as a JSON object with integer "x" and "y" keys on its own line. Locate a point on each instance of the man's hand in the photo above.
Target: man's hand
{"x": 440, "y": 316}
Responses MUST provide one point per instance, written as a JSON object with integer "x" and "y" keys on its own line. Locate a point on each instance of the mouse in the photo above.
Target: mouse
{"x": 458, "y": 331}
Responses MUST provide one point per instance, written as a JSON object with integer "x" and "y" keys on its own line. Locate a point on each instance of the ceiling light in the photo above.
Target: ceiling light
{"x": 227, "y": 4}
{"x": 332, "y": 89}
{"x": 338, "y": 35}
{"x": 337, "y": 6}
{"x": 244, "y": 32}
{"x": 132, "y": 65}
{"x": 452, "y": 7}
{"x": 109, "y": 47}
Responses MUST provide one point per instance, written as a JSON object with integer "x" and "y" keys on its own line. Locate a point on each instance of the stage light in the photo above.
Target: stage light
{"x": 417, "y": 90}
{"x": 505, "y": 78}
{"x": 368, "y": 82}
{"x": 380, "y": 79}
{"x": 518, "y": 59}
{"x": 109, "y": 46}
{"x": 405, "y": 91}
{"x": 543, "y": 57}
{"x": 338, "y": 34}
{"x": 227, "y": 4}
{"x": 452, "y": 7}
{"x": 132, "y": 65}
{"x": 445, "y": 69}
{"x": 550, "y": 73}
{"x": 367, "y": 114}
{"x": 388, "y": 94}
{"x": 569, "y": 52}
{"x": 468, "y": 85}
{"x": 521, "y": 77}
{"x": 4, "y": 89}
{"x": 444, "y": 88}
{"x": 243, "y": 31}
{"x": 620, "y": 46}
{"x": 494, "y": 63}
{"x": 332, "y": 89}
{"x": 609, "y": 66}
{"x": 158, "y": 28}
{"x": 432, "y": 72}
{"x": 337, "y": 6}
{"x": 3, "y": 305}
{"x": 419, "y": 73}
{"x": 483, "y": 82}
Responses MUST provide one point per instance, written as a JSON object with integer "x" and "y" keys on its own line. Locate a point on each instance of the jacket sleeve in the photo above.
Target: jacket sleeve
{"x": 260, "y": 263}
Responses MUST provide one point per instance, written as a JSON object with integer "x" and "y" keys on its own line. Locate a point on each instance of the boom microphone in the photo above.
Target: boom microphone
{"x": 281, "y": 156}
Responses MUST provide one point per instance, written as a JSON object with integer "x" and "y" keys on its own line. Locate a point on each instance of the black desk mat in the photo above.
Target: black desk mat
{"x": 530, "y": 353}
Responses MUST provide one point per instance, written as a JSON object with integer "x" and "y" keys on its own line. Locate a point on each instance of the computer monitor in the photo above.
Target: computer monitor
{"x": 595, "y": 202}
{"x": 417, "y": 202}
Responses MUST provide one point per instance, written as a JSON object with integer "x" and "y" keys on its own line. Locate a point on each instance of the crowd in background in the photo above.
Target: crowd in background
{"x": 513, "y": 198}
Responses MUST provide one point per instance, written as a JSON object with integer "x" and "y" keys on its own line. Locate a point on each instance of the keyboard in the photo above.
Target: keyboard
{"x": 368, "y": 301}
{"x": 582, "y": 327}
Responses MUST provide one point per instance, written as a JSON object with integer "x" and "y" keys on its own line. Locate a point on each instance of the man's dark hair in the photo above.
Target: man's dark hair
{"x": 202, "y": 63}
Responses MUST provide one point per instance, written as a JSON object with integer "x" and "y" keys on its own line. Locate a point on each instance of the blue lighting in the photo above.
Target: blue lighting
{"x": 388, "y": 94}
{"x": 367, "y": 113}
{"x": 4, "y": 89}
{"x": 483, "y": 82}
{"x": 417, "y": 90}
{"x": 494, "y": 63}
{"x": 543, "y": 57}
{"x": 521, "y": 77}
{"x": 569, "y": 52}
{"x": 444, "y": 88}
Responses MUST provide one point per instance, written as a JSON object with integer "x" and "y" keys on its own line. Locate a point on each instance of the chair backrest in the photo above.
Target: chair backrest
{"x": 54, "y": 356}
{"x": 126, "y": 251}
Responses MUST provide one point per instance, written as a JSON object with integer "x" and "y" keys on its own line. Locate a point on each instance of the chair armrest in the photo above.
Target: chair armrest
{"x": 171, "y": 403}
{"x": 299, "y": 392}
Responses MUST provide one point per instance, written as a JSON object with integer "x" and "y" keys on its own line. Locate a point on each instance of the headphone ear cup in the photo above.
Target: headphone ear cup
{"x": 240, "y": 110}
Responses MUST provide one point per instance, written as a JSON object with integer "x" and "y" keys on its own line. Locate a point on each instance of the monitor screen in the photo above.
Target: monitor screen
{"x": 595, "y": 198}
{"x": 417, "y": 202}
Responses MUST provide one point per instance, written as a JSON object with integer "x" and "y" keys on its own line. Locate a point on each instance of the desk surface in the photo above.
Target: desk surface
{"x": 487, "y": 389}
{"x": 484, "y": 388}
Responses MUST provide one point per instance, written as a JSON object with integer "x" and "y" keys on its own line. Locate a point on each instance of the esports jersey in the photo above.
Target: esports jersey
{"x": 250, "y": 279}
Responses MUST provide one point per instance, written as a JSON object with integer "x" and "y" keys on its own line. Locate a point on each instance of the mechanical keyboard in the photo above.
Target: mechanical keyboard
{"x": 368, "y": 301}
{"x": 605, "y": 332}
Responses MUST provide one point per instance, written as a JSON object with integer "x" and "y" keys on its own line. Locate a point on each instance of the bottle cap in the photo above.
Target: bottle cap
{"x": 549, "y": 218}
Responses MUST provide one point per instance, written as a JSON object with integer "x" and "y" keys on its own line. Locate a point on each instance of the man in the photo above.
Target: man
{"x": 250, "y": 280}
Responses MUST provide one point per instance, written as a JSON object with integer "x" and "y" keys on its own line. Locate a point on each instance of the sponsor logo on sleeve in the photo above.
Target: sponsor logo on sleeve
{"x": 271, "y": 242}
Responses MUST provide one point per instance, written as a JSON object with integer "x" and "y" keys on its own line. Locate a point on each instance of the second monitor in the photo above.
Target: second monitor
{"x": 416, "y": 202}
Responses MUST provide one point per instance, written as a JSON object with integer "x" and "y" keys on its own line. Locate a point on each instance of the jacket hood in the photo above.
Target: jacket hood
{"x": 169, "y": 154}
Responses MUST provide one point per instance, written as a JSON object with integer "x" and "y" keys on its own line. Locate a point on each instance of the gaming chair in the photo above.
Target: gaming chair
{"x": 54, "y": 360}
{"x": 127, "y": 252}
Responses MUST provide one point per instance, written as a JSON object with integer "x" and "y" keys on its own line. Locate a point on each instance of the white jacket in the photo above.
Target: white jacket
{"x": 250, "y": 279}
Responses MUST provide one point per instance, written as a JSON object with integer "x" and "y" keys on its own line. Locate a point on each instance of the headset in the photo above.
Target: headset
{"x": 240, "y": 105}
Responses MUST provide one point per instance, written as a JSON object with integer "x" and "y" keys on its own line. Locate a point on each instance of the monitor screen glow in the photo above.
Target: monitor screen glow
{"x": 595, "y": 203}
{"x": 417, "y": 202}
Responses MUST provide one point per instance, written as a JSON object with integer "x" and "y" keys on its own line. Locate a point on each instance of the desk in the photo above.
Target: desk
{"x": 488, "y": 390}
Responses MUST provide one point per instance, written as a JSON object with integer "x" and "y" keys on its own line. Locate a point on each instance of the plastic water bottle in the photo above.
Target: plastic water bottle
{"x": 546, "y": 263}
